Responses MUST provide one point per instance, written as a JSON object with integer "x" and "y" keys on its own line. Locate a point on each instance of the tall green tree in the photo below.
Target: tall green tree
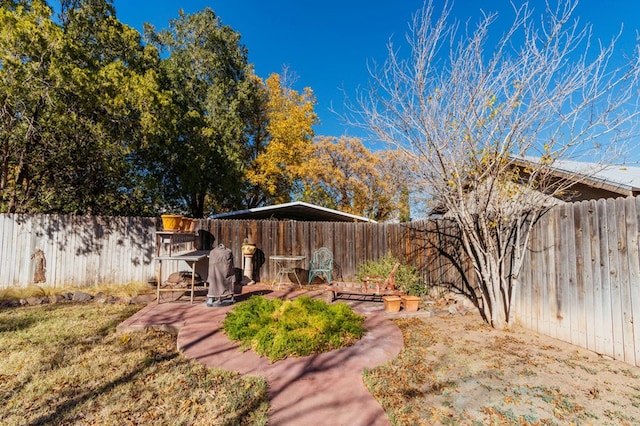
{"x": 28, "y": 42}
{"x": 207, "y": 71}
{"x": 109, "y": 80}
{"x": 256, "y": 141}
{"x": 74, "y": 98}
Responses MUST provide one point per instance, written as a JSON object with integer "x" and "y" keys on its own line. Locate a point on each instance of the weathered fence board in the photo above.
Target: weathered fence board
{"x": 78, "y": 250}
{"x": 581, "y": 277}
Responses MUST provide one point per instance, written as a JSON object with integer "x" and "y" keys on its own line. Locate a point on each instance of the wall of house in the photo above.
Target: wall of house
{"x": 582, "y": 192}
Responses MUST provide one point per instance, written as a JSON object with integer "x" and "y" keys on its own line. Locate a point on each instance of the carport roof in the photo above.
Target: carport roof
{"x": 297, "y": 210}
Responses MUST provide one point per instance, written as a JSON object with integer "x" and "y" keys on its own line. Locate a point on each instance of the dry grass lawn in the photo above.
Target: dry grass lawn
{"x": 458, "y": 371}
{"x": 64, "y": 364}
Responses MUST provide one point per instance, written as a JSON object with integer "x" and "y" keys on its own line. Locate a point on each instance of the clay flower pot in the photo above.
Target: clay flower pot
{"x": 187, "y": 224}
{"x": 171, "y": 222}
{"x": 392, "y": 303}
{"x": 410, "y": 303}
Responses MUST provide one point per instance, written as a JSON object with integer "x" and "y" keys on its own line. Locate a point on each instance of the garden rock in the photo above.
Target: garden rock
{"x": 9, "y": 303}
{"x": 81, "y": 296}
{"x": 57, "y": 298}
{"x": 451, "y": 304}
{"x": 462, "y": 300}
{"x": 458, "y": 309}
{"x": 104, "y": 299}
{"x": 34, "y": 301}
{"x": 142, "y": 299}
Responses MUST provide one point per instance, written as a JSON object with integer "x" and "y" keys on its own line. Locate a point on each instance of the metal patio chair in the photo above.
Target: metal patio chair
{"x": 321, "y": 264}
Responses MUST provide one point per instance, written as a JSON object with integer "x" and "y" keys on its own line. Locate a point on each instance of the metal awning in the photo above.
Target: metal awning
{"x": 297, "y": 210}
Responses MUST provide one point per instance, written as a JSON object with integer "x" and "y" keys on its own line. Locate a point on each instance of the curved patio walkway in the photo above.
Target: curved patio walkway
{"x": 315, "y": 390}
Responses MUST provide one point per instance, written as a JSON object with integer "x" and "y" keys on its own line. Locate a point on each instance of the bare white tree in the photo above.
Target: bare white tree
{"x": 472, "y": 112}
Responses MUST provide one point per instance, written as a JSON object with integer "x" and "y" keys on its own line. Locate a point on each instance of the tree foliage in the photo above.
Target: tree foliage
{"x": 95, "y": 121}
{"x": 343, "y": 174}
{"x": 289, "y": 123}
{"x": 71, "y": 97}
{"x": 256, "y": 142}
{"x": 472, "y": 114}
{"x": 208, "y": 74}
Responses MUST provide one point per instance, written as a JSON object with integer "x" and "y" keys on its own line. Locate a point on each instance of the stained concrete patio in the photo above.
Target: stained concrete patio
{"x": 322, "y": 389}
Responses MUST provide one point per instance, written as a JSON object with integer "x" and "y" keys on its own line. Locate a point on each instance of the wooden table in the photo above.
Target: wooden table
{"x": 191, "y": 258}
{"x": 285, "y": 265}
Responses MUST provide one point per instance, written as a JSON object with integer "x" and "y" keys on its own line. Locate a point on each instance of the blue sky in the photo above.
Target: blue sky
{"x": 327, "y": 43}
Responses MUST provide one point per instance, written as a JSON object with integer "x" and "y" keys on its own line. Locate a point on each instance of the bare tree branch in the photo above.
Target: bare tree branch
{"x": 486, "y": 123}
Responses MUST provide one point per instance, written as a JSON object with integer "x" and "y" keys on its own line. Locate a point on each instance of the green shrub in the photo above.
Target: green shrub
{"x": 406, "y": 277}
{"x": 304, "y": 326}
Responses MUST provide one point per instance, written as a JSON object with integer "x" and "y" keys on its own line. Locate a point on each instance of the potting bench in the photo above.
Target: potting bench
{"x": 173, "y": 248}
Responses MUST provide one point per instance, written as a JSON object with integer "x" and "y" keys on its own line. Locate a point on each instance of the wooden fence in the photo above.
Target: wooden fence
{"x": 580, "y": 281}
{"x": 350, "y": 243}
{"x": 83, "y": 251}
{"x": 74, "y": 250}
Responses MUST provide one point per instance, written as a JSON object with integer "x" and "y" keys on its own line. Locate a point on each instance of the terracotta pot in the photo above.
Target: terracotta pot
{"x": 187, "y": 223}
{"x": 171, "y": 222}
{"x": 392, "y": 303}
{"x": 410, "y": 303}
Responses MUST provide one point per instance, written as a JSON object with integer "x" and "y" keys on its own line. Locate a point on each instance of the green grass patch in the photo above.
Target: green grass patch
{"x": 64, "y": 364}
{"x": 279, "y": 329}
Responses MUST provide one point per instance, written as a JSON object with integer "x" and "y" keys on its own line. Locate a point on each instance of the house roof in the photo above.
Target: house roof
{"x": 620, "y": 179}
{"x": 296, "y": 210}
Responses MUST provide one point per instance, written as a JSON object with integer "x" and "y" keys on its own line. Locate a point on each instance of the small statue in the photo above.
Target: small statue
{"x": 40, "y": 265}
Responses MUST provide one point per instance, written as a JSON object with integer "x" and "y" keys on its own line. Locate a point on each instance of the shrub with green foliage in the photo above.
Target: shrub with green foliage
{"x": 303, "y": 326}
{"x": 406, "y": 277}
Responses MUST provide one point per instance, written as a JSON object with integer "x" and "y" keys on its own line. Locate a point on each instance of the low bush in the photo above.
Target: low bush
{"x": 304, "y": 326}
{"x": 406, "y": 277}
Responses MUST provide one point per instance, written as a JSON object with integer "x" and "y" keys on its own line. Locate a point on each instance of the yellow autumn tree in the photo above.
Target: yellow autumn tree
{"x": 291, "y": 117}
{"x": 343, "y": 174}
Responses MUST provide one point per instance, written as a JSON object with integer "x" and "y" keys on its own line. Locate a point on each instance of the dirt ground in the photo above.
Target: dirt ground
{"x": 481, "y": 375}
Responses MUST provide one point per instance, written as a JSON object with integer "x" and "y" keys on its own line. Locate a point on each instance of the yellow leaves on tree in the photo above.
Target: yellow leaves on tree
{"x": 290, "y": 119}
{"x": 345, "y": 175}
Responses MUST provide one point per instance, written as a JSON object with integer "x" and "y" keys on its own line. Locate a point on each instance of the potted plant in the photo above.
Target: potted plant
{"x": 410, "y": 303}
{"x": 171, "y": 222}
{"x": 392, "y": 303}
